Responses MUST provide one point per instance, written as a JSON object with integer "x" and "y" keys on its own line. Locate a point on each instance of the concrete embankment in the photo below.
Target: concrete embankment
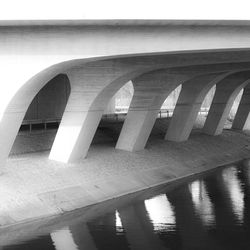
{"x": 33, "y": 187}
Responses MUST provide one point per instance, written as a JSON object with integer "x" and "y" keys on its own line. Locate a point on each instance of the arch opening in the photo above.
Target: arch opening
{"x": 233, "y": 110}
{"x": 168, "y": 106}
{"x": 114, "y": 115}
{"x": 226, "y": 92}
{"x": 43, "y": 116}
{"x": 205, "y": 106}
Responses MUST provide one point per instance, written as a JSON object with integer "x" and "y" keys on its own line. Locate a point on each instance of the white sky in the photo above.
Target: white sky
{"x": 127, "y": 9}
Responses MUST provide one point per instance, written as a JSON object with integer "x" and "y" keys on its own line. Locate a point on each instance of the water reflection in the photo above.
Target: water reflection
{"x": 118, "y": 223}
{"x": 63, "y": 240}
{"x": 212, "y": 212}
{"x": 161, "y": 213}
{"x": 202, "y": 202}
{"x": 233, "y": 185}
{"x": 192, "y": 231}
{"x": 138, "y": 227}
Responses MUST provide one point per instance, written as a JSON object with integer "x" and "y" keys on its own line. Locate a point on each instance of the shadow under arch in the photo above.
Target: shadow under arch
{"x": 44, "y": 112}
{"x": 50, "y": 101}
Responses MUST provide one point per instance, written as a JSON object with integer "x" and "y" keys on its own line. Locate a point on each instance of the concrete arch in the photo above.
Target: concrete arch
{"x": 15, "y": 111}
{"x": 151, "y": 89}
{"x": 143, "y": 112}
{"x": 89, "y": 97}
{"x": 242, "y": 119}
{"x": 98, "y": 72}
{"x": 189, "y": 103}
{"x": 87, "y": 78}
{"x": 15, "y": 105}
{"x": 93, "y": 82}
{"x": 226, "y": 92}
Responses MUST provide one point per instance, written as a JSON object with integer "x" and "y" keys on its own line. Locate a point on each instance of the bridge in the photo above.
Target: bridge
{"x": 99, "y": 57}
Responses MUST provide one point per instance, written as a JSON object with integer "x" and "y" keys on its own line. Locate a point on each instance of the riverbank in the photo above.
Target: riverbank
{"x": 33, "y": 187}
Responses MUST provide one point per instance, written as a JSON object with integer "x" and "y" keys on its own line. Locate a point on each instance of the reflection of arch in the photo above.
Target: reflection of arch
{"x": 242, "y": 119}
{"x": 192, "y": 231}
{"x": 138, "y": 228}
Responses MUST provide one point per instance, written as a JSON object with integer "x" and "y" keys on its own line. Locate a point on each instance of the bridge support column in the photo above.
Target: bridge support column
{"x": 188, "y": 106}
{"x": 136, "y": 129}
{"x": 150, "y": 91}
{"x": 90, "y": 94}
{"x": 242, "y": 117}
{"x": 226, "y": 92}
{"x": 75, "y": 135}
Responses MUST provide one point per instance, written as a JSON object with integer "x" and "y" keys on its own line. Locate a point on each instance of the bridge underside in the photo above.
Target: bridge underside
{"x": 203, "y": 56}
{"x": 93, "y": 84}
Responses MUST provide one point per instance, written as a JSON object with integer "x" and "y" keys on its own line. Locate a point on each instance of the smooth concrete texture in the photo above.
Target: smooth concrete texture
{"x": 242, "y": 117}
{"x": 188, "y": 105}
{"x": 200, "y": 239}
{"x": 150, "y": 91}
{"x": 136, "y": 130}
{"x": 126, "y": 50}
{"x": 93, "y": 83}
{"x": 225, "y": 94}
{"x": 112, "y": 37}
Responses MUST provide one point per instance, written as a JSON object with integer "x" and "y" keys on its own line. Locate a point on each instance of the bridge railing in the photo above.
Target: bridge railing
{"x": 119, "y": 115}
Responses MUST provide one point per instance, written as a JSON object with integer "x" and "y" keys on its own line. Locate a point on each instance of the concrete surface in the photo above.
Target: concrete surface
{"x": 99, "y": 59}
{"x": 32, "y": 186}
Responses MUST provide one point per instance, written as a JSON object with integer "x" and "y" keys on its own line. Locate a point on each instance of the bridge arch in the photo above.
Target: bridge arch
{"x": 93, "y": 82}
{"x": 225, "y": 94}
{"x": 242, "y": 119}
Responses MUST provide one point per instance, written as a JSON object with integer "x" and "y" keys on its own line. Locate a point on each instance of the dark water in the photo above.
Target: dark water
{"x": 210, "y": 212}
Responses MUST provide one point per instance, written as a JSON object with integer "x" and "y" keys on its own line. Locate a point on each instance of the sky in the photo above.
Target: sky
{"x": 128, "y": 9}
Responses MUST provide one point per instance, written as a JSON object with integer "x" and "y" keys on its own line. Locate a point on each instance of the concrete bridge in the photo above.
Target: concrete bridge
{"x": 99, "y": 57}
